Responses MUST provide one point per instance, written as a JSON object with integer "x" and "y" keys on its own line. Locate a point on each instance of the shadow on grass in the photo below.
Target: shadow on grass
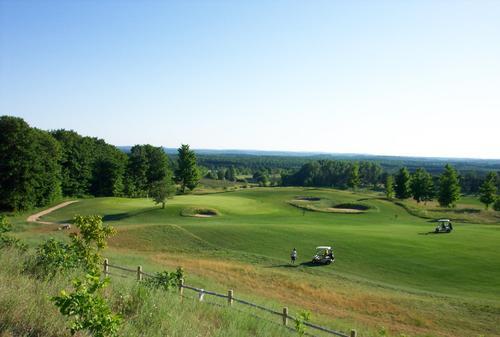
{"x": 284, "y": 265}
{"x": 457, "y": 211}
{"x": 289, "y": 265}
{"x": 433, "y": 232}
{"x": 121, "y": 216}
{"x": 310, "y": 264}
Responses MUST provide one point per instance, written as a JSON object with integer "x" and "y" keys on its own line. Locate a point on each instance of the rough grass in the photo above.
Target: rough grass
{"x": 388, "y": 272}
{"x": 26, "y": 309}
{"x": 467, "y": 210}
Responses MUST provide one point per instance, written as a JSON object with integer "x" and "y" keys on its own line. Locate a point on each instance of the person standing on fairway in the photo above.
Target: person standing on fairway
{"x": 293, "y": 255}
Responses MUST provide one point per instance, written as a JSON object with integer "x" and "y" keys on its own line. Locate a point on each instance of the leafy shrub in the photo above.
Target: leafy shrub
{"x": 83, "y": 251}
{"x": 88, "y": 308}
{"x": 53, "y": 257}
{"x": 301, "y": 318}
{"x": 5, "y": 239}
{"x": 165, "y": 280}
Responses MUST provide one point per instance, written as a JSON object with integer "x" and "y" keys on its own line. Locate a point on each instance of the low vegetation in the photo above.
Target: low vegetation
{"x": 387, "y": 273}
{"x": 26, "y": 308}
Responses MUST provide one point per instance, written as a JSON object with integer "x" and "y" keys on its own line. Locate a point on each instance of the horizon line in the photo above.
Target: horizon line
{"x": 315, "y": 153}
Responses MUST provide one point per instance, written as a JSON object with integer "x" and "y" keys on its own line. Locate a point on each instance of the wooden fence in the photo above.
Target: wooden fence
{"x": 230, "y": 299}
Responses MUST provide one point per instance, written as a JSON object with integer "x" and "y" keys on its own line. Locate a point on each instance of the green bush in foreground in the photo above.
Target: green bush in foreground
{"x": 88, "y": 308}
{"x": 85, "y": 305}
{"x": 26, "y": 309}
{"x": 83, "y": 251}
{"x": 301, "y": 318}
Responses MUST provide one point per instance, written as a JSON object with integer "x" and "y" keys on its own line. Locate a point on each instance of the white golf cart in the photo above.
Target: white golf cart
{"x": 324, "y": 255}
{"x": 443, "y": 226}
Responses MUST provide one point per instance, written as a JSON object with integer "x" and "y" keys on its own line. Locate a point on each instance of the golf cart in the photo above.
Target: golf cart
{"x": 324, "y": 255}
{"x": 443, "y": 226}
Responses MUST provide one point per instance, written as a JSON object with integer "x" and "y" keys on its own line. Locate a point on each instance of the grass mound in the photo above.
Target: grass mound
{"x": 158, "y": 238}
{"x": 200, "y": 212}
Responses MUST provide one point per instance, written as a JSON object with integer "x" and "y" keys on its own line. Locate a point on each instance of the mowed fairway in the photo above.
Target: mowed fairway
{"x": 388, "y": 271}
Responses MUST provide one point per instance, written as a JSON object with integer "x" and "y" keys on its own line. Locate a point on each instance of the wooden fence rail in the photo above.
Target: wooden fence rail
{"x": 230, "y": 299}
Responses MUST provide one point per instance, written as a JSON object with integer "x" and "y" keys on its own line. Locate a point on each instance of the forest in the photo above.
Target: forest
{"x": 38, "y": 167}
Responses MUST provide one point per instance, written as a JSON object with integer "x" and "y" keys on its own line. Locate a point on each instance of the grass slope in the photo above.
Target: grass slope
{"x": 389, "y": 271}
{"x": 25, "y": 307}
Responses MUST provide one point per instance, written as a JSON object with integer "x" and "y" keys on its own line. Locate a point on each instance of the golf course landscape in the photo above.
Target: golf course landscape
{"x": 392, "y": 276}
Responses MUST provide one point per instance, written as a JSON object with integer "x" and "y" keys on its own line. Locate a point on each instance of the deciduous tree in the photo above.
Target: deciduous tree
{"x": 29, "y": 168}
{"x": 422, "y": 187}
{"x": 354, "y": 176}
{"x": 162, "y": 190}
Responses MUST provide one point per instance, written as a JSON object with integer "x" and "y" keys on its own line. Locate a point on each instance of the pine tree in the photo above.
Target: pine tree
{"x": 496, "y": 205}
{"x": 488, "y": 190}
{"x": 449, "y": 188}
{"x": 187, "y": 173}
{"x": 231, "y": 174}
{"x": 389, "y": 187}
{"x": 402, "y": 184}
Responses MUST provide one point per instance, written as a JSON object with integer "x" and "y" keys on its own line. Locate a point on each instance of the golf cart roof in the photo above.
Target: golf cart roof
{"x": 323, "y": 247}
{"x": 444, "y": 220}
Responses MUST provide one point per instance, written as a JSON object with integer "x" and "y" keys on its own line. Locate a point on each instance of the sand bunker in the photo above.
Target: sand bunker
{"x": 200, "y": 212}
{"x": 307, "y": 199}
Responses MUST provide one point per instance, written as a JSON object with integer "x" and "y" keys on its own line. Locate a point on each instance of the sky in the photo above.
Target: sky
{"x": 417, "y": 78}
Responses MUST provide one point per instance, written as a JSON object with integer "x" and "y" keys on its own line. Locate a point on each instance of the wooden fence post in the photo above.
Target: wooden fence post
{"x": 181, "y": 287}
{"x": 106, "y": 267}
{"x": 230, "y": 296}
{"x": 201, "y": 295}
{"x": 285, "y": 316}
{"x": 353, "y": 333}
{"x": 139, "y": 273}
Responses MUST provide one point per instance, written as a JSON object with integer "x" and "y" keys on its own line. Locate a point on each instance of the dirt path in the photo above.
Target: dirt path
{"x": 36, "y": 217}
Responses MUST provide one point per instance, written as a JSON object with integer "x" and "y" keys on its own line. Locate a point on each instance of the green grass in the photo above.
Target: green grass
{"x": 396, "y": 273}
{"x": 26, "y": 309}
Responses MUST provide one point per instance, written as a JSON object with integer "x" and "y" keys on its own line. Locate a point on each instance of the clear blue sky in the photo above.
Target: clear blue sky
{"x": 381, "y": 77}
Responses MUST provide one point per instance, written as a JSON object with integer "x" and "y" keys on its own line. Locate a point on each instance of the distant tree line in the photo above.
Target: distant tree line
{"x": 471, "y": 173}
{"x": 336, "y": 174}
{"x": 38, "y": 167}
{"x": 422, "y": 186}
{"x": 419, "y": 185}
